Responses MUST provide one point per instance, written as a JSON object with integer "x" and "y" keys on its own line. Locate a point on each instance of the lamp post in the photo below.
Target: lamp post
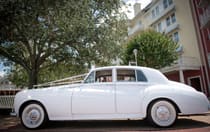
{"x": 135, "y": 51}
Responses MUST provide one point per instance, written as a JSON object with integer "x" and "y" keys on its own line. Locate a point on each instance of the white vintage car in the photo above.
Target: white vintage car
{"x": 112, "y": 93}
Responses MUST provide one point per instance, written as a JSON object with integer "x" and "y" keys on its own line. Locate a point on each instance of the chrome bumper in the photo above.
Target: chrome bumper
{"x": 13, "y": 114}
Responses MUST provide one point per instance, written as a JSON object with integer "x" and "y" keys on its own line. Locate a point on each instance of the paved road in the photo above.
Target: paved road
{"x": 184, "y": 124}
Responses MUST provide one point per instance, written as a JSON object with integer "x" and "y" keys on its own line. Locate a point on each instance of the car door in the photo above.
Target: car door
{"x": 130, "y": 85}
{"x": 96, "y": 95}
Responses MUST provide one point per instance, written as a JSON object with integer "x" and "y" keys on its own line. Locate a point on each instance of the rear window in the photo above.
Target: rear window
{"x": 140, "y": 76}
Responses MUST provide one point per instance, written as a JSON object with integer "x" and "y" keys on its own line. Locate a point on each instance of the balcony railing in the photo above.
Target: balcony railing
{"x": 171, "y": 27}
{"x": 183, "y": 63}
{"x": 205, "y": 18}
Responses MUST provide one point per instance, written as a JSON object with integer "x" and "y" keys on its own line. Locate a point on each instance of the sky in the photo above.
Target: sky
{"x": 144, "y": 3}
{"x": 1, "y": 69}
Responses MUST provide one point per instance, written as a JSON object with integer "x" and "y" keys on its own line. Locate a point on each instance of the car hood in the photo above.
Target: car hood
{"x": 50, "y": 90}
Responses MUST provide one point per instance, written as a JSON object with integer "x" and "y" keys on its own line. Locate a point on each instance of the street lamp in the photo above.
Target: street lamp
{"x": 135, "y": 51}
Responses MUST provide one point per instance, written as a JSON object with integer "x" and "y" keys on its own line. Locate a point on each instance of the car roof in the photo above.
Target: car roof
{"x": 153, "y": 75}
{"x": 124, "y": 67}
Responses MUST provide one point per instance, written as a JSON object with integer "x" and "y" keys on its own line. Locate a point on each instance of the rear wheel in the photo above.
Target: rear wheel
{"x": 33, "y": 116}
{"x": 162, "y": 113}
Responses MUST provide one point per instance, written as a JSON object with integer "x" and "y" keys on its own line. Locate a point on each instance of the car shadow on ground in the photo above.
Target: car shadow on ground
{"x": 138, "y": 125}
{"x": 13, "y": 124}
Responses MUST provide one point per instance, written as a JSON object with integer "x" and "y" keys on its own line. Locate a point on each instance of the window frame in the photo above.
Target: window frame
{"x": 142, "y": 74}
{"x": 168, "y": 21}
{"x": 136, "y": 75}
{"x": 170, "y": 2}
{"x": 153, "y": 13}
{"x": 176, "y": 37}
{"x": 165, "y": 4}
{"x": 157, "y": 10}
{"x": 112, "y": 79}
{"x": 125, "y": 69}
{"x": 85, "y": 82}
{"x": 159, "y": 27}
{"x": 173, "y": 18}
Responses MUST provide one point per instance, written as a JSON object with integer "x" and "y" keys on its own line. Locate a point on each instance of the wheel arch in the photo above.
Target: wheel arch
{"x": 162, "y": 98}
{"x": 29, "y": 102}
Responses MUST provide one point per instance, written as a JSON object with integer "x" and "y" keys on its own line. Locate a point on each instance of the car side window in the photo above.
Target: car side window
{"x": 90, "y": 78}
{"x": 140, "y": 76}
{"x": 103, "y": 76}
{"x": 126, "y": 75}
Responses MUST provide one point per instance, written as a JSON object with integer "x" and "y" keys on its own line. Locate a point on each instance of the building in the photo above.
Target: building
{"x": 5, "y": 83}
{"x": 201, "y": 16}
{"x": 175, "y": 19}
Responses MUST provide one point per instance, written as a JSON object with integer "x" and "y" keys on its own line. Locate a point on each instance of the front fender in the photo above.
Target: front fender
{"x": 20, "y": 98}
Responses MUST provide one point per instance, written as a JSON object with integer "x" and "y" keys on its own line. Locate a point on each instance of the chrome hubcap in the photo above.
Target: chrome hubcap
{"x": 33, "y": 116}
{"x": 163, "y": 113}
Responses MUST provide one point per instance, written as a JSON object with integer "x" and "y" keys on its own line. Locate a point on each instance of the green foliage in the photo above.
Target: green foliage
{"x": 19, "y": 77}
{"x": 41, "y": 34}
{"x": 154, "y": 50}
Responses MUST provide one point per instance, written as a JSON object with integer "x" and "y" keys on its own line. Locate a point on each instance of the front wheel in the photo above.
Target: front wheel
{"x": 33, "y": 116}
{"x": 162, "y": 113}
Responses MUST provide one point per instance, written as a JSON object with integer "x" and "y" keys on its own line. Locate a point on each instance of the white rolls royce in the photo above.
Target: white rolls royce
{"x": 112, "y": 93}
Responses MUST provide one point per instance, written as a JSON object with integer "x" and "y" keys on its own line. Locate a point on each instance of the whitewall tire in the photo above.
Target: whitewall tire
{"x": 162, "y": 113}
{"x": 33, "y": 116}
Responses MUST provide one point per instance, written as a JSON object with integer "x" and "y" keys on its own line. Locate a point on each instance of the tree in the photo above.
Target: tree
{"x": 37, "y": 34}
{"x": 154, "y": 50}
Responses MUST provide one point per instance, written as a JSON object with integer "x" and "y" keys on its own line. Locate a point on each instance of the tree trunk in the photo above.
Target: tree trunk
{"x": 33, "y": 77}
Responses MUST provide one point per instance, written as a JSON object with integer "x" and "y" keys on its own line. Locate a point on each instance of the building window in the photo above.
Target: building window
{"x": 155, "y": 27}
{"x": 159, "y": 27}
{"x": 6, "y": 82}
{"x": 153, "y": 13}
{"x": 168, "y": 22}
{"x": 167, "y": 3}
{"x": 173, "y": 18}
{"x": 140, "y": 23}
{"x": 176, "y": 37}
{"x": 170, "y": 2}
{"x": 157, "y": 10}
